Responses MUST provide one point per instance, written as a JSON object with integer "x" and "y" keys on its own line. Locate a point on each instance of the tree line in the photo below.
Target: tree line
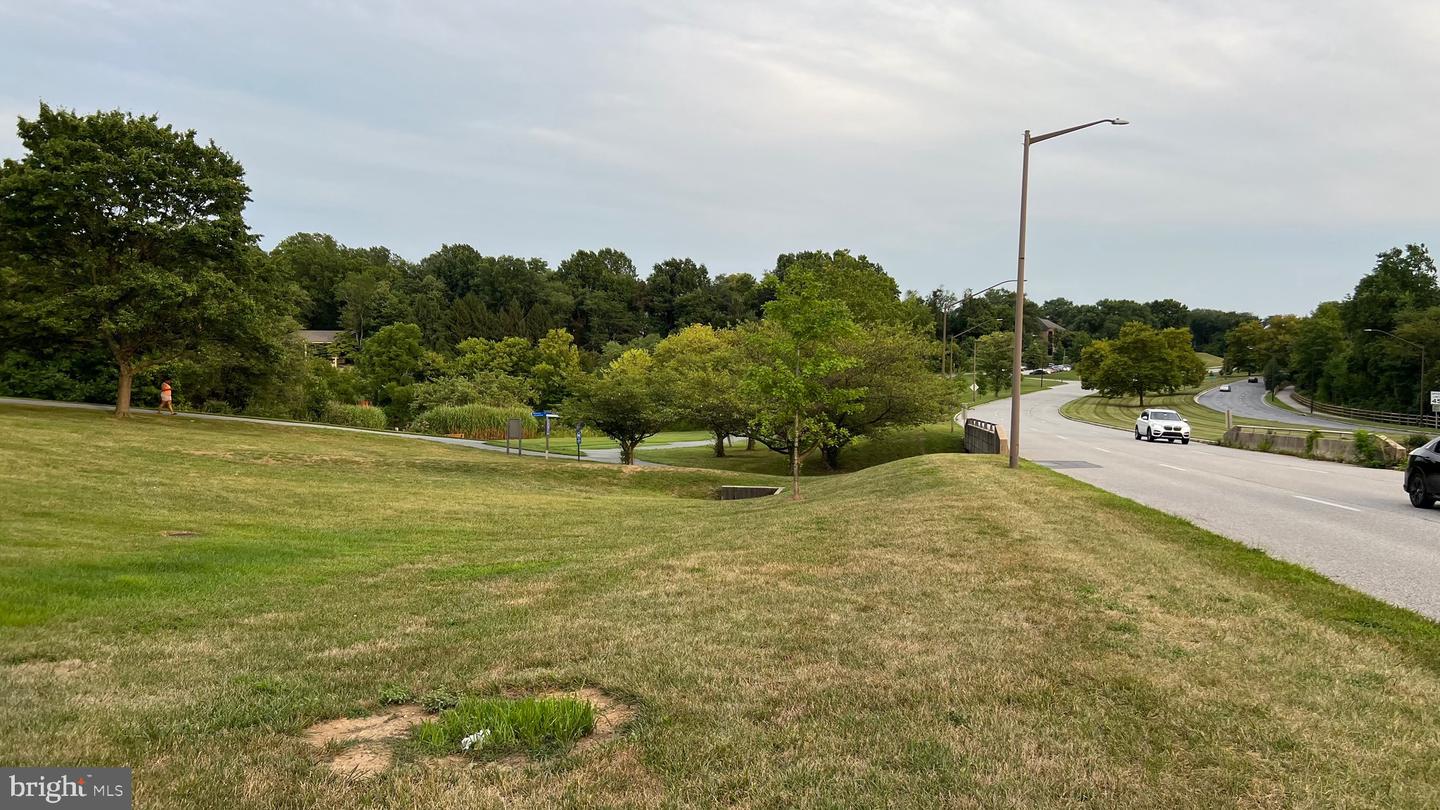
{"x": 1363, "y": 351}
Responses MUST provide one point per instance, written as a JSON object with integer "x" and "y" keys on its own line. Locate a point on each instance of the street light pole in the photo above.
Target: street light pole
{"x": 975, "y": 354}
{"x": 1421, "y": 347}
{"x": 1020, "y": 278}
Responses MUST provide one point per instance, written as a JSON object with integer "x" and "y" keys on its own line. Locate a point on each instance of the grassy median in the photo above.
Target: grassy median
{"x": 186, "y": 598}
{"x": 1121, "y": 412}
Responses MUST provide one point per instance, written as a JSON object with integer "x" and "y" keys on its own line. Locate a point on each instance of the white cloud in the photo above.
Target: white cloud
{"x": 735, "y": 131}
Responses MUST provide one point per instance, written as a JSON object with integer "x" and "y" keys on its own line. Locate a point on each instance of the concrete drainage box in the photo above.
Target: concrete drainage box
{"x": 734, "y": 493}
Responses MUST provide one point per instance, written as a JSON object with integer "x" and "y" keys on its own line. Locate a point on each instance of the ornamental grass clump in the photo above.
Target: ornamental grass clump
{"x": 495, "y": 727}
{"x": 363, "y": 416}
{"x": 474, "y": 421}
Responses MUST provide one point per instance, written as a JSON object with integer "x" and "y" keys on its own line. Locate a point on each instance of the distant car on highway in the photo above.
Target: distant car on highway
{"x": 1158, "y": 423}
{"x": 1225, "y": 389}
{"x": 1422, "y": 475}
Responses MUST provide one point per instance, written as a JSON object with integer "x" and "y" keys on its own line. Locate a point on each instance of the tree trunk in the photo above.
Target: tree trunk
{"x": 720, "y": 444}
{"x": 122, "y": 394}
{"x": 749, "y": 442}
{"x": 832, "y": 457}
{"x": 795, "y": 461}
{"x": 627, "y": 452}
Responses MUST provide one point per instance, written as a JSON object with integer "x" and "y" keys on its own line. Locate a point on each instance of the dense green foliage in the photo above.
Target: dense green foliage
{"x": 1139, "y": 360}
{"x": 1340, "y": 352}
{"x": 122, "y": 236}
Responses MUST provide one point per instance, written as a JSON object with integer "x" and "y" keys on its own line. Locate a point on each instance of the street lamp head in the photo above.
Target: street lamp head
{"x": 1119, "y": 122}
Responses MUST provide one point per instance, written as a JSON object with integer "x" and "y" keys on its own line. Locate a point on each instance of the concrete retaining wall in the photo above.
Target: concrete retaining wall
{"x": 1329, "y": 446}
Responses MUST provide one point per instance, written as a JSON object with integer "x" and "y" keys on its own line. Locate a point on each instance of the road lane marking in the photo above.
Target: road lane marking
{"x": 1103, "y": 450}
{"x": 1173, "y": 467}
{"x": 1058, "y": 436}
{"x": 1328, "y": 503}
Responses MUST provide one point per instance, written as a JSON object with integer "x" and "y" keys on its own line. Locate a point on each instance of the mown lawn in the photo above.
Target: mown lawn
{"x": 1121, "y": 412}
{"x": 938, "y": 631}
{"x": 562, "y": 440}
{"x": 864, "y": 452}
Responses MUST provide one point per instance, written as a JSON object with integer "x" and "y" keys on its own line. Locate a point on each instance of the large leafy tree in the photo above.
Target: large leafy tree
{"x": 994, "y": 360}
{"x": 869, "y": 294}
{"x": 704, "y": 369}
{"x": 796, "y": 352}
{"x": 671, "y": 282}
{"x": 608, "y": 297}
{"x": 1140, "y": 359}
{"x": 392, "y": 356}
{"x": 896, "y": 384}
{"x": 555, "y": 363}
{"x": 318, "y": 264}
{"x": 123, "y": 233}
{"x": 626, "y": 401}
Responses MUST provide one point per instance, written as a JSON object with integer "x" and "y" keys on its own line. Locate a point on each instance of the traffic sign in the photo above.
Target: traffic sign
{"x": 1435, "y": 399}
{"x": 974, "y": 387}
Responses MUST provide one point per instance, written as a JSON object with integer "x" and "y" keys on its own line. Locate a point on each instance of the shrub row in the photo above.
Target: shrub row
{"x": 338, "y": 413}
{"x": 474, "y": 421}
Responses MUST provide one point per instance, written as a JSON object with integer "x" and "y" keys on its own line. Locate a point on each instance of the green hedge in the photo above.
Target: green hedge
{"x": 338, "y": 413}
{"x": 474, "y": 421}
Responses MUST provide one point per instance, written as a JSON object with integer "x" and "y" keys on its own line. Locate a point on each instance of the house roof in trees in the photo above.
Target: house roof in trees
{"x": 1051, "y": 326}
{"x": 318, "y": 337}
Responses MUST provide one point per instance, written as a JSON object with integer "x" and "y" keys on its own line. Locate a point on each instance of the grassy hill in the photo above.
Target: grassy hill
{"x": 937, "y": 630}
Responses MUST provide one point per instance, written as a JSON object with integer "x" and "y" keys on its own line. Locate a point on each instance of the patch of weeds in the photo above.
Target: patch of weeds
{"x": 438, "y": 700}
{"x": 955, "y": 717}
{"x": 391, "y": 695}
{"x": 496, "y": 727}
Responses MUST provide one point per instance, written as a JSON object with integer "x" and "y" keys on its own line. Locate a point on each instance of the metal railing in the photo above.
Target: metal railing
{"x": 1367, "y": 415}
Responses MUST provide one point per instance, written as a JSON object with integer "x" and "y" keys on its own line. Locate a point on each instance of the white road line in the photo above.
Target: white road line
{"x": 1173, "y": 467}
{"x": 1103, "y": 450}
{"x": 1327, "y": 503}
{"x": 1058, "y": 436}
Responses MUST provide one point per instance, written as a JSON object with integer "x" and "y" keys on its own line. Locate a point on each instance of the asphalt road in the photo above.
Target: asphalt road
{"x": 1351, "y": 524}
{"x": 1246, "y": 400}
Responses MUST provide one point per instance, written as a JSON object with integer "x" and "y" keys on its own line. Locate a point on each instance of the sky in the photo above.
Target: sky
{"x": 1274, "y": 148}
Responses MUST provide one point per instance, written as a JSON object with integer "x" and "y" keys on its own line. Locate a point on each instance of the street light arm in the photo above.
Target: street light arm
{"x": 1397, "y": 337}
{"x": 1119, "y": 122}
{"x": 971, "y": 329}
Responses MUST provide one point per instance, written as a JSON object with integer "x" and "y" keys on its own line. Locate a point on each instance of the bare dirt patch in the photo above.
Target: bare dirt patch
{"x": 180, "y": 533}
{"x": 611, "y": 715}
{"x": 364, "y": 746}
{"x": 366, "y": 741}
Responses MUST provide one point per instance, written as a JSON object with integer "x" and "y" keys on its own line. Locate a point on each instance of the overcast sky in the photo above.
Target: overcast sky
{"x": 1275, "y": 147}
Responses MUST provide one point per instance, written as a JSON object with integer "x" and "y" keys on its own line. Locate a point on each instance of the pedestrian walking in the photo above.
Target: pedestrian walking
{"x": 167, "y": 398}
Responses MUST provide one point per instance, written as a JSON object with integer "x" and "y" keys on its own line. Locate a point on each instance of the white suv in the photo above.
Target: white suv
{"x": 1158, "y": 423}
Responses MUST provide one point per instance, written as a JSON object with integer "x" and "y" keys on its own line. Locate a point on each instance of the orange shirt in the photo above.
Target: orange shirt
{"x": 164, "y": 392}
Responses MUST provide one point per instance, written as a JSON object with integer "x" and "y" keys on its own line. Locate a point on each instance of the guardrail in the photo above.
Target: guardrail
{"x": 1367, "y": 415}
{"x": 985, "y": 437}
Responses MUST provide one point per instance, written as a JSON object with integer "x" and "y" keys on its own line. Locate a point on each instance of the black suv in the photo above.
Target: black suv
{"x": 1422, "y": 476}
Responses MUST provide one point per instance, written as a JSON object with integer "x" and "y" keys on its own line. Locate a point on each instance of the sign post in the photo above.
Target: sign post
{"x": 515, "y": 429}
{"x": 579, "y": 434}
